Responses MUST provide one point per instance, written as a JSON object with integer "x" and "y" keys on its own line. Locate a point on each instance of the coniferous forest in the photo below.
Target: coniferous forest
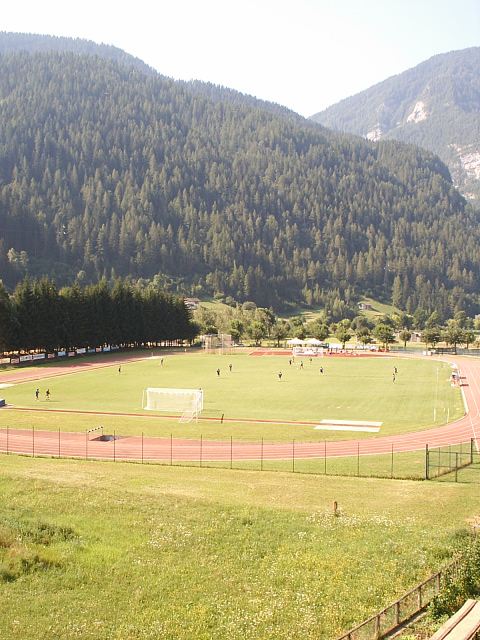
{"x": 39, "y": 316}
{"x": 106, "y": 172}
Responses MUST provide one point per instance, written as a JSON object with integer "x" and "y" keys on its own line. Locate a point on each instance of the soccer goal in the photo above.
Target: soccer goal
{"x": 187, "y": 402}
{"x": 220, "y": 343}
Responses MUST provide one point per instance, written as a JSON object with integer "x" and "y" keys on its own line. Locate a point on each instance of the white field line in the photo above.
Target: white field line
{"x": 359, "y": 423}
{"x": 465, "y": 404}
{"x": 5, "y": 385}
{"x": 340, "y": 427}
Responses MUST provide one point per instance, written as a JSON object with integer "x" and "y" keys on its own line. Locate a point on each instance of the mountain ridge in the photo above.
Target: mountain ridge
{"x": 435, "y": 105}
{"x": 105, "y": 171}
{"x": 13, "y": 42}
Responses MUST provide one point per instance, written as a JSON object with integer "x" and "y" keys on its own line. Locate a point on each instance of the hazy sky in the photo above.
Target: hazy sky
{"x": 305, "y": 54}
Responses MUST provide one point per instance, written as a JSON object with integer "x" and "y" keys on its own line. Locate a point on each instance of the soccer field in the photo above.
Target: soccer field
{"x": 356, "y": 389}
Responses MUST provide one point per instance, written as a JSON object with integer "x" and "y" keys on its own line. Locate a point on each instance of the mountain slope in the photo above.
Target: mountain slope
{"x": 104, "y": 170}
{"x": 435, "y": 105}
{"x": 36, "y": 43}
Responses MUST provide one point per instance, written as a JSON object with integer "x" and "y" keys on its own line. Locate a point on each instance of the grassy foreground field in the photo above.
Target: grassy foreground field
{"x": 104, "y": 551}
{"x": 350, "y": 388}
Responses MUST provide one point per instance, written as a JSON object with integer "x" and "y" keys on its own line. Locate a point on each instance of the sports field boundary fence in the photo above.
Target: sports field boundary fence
{"x": 450, "y": 460}
{"x": 447, "y": 462}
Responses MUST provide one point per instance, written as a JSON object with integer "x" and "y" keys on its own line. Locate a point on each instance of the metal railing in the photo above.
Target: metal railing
{"x": 402, "y": 609}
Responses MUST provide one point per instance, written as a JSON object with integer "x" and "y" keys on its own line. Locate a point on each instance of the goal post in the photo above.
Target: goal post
{"x": 187, "y": 402}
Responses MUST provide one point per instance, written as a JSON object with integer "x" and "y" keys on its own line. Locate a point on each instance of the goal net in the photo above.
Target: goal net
{"x": 218, "y": 343}
{"x": 187, "y": 402}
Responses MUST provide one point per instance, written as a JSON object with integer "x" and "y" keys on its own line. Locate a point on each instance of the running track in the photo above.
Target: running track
{"x": 65, "y": 444}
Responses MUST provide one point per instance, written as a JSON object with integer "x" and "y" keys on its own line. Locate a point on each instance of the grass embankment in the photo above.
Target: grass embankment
{"x": 124, "y": 551}
{"x": 350, "y": 388}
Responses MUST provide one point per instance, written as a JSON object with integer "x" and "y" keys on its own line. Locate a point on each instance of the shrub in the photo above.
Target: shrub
{"x": 461, "y": 584}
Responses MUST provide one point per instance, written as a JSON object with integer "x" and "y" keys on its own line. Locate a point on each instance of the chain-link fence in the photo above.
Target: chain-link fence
{"x": 452, "y": 460}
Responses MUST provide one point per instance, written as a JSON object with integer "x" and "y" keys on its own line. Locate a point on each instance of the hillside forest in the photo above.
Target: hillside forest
{"x": 106, "y": 172}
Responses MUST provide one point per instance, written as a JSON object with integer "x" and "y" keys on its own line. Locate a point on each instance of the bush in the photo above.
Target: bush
{"x": 461, "y": 584}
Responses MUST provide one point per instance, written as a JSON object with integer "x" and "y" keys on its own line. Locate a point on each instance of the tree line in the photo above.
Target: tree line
{"x": 249, "y": 322}
{"x": 38, "y": 316}
{"x": 106, "y": 172}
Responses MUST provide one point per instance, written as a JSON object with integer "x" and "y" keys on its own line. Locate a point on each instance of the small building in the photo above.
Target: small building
{"x": 416, "y": 336}
{"x": 192, "y": 303}
{"x": 365, "y": 306}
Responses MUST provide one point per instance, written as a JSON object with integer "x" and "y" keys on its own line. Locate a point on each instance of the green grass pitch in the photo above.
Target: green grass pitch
{"x": 349, "y": 388}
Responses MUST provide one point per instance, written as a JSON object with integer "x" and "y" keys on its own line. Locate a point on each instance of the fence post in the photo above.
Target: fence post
{"x": 397, "y": 612}
{"x": 456, "y": 466}
{"x": 427, "y": 470}
{"x": 420, "y": 597}
{"x": 471, "y": 450}
{"x": 261, "y": 457}
{"x": 377, "y": 627}
{"x": 358, "y": 458}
